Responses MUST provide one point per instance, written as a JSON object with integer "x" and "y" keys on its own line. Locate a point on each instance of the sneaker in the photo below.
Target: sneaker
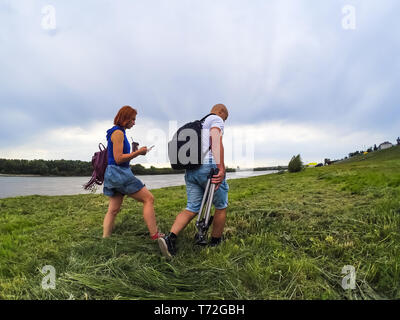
{"x": 215, "y": 242}
{"x": 167, "y": 246}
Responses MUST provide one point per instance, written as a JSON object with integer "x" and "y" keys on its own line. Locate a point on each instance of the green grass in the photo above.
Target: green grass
{"x": 288, "y": 236}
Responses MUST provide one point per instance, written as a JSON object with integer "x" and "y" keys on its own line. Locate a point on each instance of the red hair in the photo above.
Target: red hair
{"x": 124, "y": 115}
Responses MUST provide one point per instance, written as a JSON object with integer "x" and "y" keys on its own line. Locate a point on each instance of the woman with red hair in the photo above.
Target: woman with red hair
{"x": 119, "y": 179}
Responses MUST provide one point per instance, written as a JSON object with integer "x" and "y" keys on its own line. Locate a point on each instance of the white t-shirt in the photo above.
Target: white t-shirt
{"x": 212, "y": 121}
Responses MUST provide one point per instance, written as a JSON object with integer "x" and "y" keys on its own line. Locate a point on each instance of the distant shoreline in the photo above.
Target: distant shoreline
{"x": 139, "y": 173}
{"x": 77, "y": 168}
{"x": 21, "y": 175}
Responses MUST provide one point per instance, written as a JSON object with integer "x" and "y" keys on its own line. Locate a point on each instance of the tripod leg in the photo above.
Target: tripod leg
{"x": 204, "y": 221}
{"x": 209, "y": 204}
{"x": 203, "y": 201}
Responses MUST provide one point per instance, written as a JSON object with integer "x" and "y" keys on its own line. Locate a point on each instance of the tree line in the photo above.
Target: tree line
{"x": 46, "y": 167}
{"x": 66, "y": 168}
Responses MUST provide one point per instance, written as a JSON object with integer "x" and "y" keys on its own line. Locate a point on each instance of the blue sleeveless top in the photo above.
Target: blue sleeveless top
{"x": 127, "y": 147}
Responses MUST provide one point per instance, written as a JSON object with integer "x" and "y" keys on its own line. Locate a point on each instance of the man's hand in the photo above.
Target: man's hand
{"x": 218, "y": 178}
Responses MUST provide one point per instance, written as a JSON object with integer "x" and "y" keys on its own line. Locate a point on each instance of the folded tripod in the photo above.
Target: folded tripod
{"x": 204, "y": 219}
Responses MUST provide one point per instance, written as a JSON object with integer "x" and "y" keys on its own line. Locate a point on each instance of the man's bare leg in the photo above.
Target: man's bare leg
{"x": 182, "y": 220}
{"x": 218, "y": 223}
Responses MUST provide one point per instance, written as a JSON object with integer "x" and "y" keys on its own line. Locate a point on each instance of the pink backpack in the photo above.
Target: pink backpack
{"x": 99, "y": 163}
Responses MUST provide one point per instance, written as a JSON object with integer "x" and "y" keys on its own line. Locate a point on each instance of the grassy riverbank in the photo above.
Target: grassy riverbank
{"x": 288, "y": 236}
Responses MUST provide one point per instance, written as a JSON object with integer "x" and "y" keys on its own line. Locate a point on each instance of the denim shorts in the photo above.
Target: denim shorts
{"x": 196, "y": 181}
{"x": 121, "y": 180}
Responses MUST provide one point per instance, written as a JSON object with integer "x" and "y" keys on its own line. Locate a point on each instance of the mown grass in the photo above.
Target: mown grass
{"x": 288, "y": 236}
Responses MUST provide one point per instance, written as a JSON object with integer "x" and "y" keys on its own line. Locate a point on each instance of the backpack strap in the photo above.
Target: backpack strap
{"x": 202, "y": 120}
{"x": 104, "y": 148}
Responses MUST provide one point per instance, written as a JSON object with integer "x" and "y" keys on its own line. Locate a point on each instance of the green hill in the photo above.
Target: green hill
{"x": 380, "y": 155}
{"x": 288, "y": 236}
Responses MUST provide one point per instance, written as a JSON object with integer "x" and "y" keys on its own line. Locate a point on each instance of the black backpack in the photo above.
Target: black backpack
{"x": 184, "y": 150}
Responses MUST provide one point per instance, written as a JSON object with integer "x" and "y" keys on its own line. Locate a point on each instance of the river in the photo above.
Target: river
{"x": 12, "y": 186}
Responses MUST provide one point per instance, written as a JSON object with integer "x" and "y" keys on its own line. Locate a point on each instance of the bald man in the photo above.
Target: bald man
{"x": 196, "y": 180}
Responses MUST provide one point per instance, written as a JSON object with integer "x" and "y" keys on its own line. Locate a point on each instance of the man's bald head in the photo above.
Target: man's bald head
{"x": 221, "y": 110}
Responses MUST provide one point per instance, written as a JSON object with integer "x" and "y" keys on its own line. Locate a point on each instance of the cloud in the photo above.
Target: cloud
{"x": 264, "y": 144}
{"x": 268, "y": 61}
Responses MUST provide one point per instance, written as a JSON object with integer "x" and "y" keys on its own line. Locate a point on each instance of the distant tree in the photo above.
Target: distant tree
{"x": 375, "y": 147}
{"x": 138, "y": 169}
{"x": 55, "y": 171}
{"x": 295, "y": 164}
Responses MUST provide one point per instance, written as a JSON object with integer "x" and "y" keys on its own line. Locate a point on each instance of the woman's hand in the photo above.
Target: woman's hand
{"x": 142, "y": 151}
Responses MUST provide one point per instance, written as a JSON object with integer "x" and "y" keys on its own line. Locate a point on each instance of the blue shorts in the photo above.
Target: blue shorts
{"x": 121, "y": 180}
{"x": 196, "y": 181}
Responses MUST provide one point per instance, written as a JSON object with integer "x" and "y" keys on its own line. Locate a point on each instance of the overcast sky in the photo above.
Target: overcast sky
{"x": 319, "y": 78}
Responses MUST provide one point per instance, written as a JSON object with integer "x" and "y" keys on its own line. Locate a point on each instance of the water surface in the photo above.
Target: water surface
{"x": 12, "y": 186}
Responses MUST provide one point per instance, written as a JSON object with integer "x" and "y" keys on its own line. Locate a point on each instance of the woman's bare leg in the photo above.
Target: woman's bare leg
{"x": 147, "y": 198}
{"x": 113, "y": 208}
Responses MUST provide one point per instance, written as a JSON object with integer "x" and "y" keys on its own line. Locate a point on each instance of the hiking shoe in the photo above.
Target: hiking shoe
{"x": 167, "y": 246}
